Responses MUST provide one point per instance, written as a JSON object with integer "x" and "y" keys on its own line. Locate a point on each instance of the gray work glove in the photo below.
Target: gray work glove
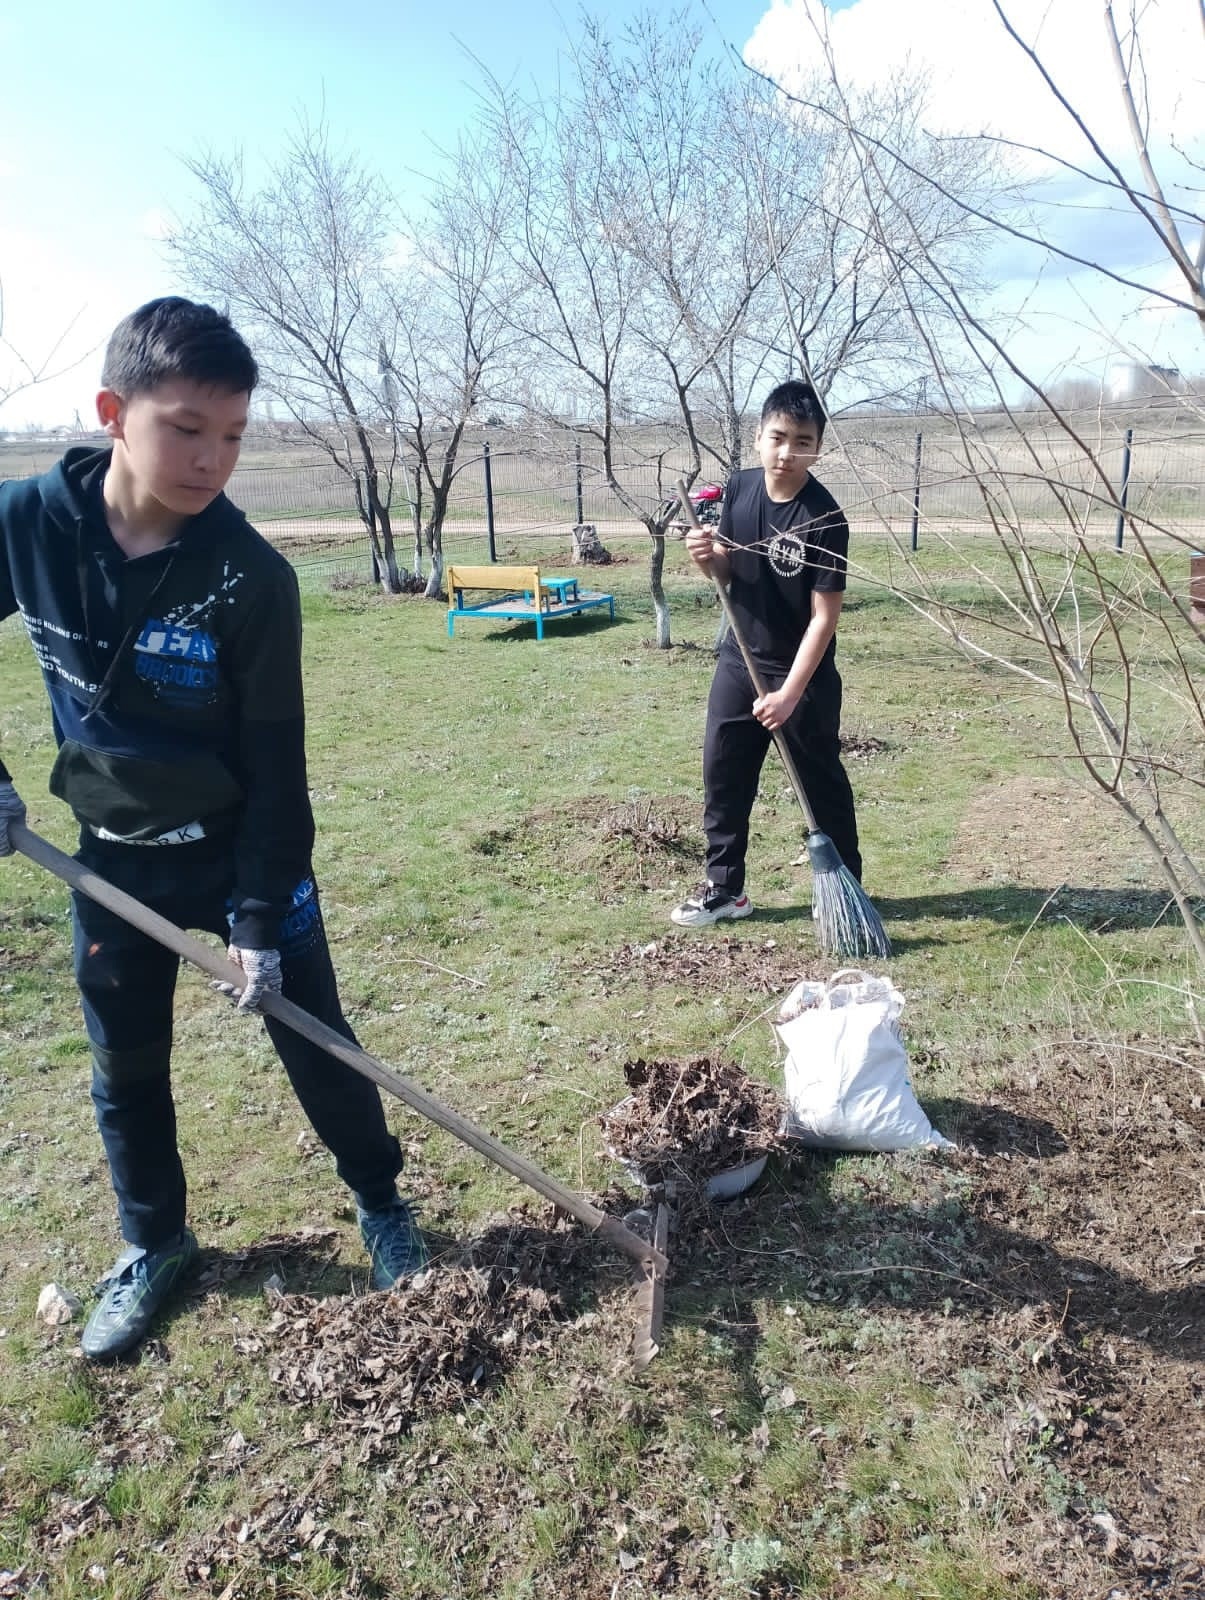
{"x": 262, "y": 968}
{"x": 12, "y": 809}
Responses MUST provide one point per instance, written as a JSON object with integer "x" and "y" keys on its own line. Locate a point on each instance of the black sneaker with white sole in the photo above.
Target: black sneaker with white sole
{"x": 710, "y": 904}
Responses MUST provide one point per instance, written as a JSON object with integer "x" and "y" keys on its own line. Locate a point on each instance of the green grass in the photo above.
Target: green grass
{"x": 798, "y": 1433}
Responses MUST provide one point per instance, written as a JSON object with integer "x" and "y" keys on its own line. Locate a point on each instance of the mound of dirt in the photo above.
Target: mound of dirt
{"x": 643, "y": 842}
{"x": 1044, "y": 832}
{"x": 1058, "y": 1258}
{"x": 1104, "y": 1223}
{"x": 862, "y": 746}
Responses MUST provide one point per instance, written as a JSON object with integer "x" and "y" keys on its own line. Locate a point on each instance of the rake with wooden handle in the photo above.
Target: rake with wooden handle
{"x": 847, "y": 924}
{"x": 651, "y": 1259}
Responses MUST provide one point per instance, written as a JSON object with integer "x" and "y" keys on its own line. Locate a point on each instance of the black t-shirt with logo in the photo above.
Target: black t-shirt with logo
{"x": 786, "y": 549}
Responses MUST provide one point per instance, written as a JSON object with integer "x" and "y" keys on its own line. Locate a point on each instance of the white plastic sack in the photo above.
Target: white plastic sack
{"x": 846, "y": 1071}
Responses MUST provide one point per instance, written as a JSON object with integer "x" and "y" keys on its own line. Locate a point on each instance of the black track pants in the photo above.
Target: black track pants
{"x": 734, "y": 749}
{"x": 127, "y": 981}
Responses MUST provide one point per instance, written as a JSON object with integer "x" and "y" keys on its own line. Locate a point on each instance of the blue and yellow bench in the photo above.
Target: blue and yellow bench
{"x": 517, "y": 594}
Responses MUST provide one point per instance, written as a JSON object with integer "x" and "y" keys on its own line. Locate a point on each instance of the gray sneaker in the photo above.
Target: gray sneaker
{"x": 708, "y": 905}
{"x": 135, "y": 1287}
{"x": 394, "y": 1243}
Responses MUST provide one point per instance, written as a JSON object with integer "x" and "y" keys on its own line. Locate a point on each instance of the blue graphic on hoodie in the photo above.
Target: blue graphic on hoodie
{"x": 181, "y": 662}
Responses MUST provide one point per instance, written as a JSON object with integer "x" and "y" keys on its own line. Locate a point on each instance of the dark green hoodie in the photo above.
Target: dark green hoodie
{"x": 174, "y": 678}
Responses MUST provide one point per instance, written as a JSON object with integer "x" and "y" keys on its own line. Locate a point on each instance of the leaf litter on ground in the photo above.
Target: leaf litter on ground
{"x": 714, "y": 965}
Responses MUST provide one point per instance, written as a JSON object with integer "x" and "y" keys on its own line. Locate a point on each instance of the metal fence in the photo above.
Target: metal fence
{"x": 519, "y": 493}
{"x": 914, "y": 479}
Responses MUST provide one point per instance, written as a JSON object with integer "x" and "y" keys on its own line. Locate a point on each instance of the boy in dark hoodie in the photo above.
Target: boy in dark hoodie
{"x": 169, "y": 636}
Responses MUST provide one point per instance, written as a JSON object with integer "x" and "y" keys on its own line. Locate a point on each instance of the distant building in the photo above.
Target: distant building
{"x": 1139, "y": 380}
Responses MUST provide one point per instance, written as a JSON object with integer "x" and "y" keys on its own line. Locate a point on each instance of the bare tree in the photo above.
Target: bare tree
{"x": 677, "y": 187}
{"x": 679, "y": 234}
{"x": 446, "y": 332}
{"x": 302, "y": 263}
{"x": 620, "y": 294}
{"x": 20, "y": 371}
{"x": 846, "y": 321}
{"x": 1110, "y": 638}
{"x": 577, "y": 285}
{"x": 740, "y": 209}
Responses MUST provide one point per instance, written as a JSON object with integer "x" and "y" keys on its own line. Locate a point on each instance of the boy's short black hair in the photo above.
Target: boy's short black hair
{"x": 174, "y": 338}
{"x": 797, "y": 400}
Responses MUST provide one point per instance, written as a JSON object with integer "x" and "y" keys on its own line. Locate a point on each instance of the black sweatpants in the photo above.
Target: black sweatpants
{"x": 734, "y": 749}
{"x": 127, "y": 984}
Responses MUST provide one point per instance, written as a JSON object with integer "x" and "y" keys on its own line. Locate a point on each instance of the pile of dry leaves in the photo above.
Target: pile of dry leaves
{"x": 686, "y": 1121}
{"x": 378, "y": 1361}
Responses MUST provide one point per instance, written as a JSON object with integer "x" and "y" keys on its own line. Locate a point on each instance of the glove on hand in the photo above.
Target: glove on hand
{"x": 262, "y": 968}
{"x": 12, "y": 809}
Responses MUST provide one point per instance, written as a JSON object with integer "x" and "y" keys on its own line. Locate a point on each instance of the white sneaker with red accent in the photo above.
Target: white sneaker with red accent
{"x": 710, "y": 904}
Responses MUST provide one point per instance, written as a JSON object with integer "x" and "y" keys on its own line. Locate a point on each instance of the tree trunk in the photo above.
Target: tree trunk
{"x": 656, "y": 589}
{"x": 367, "y": 515}
{"x": 392, "y": 578}
{"x": 732, "y": 433}
{"x": 435, "y": 546}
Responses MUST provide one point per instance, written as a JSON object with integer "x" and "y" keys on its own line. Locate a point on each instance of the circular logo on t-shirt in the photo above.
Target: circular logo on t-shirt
{"x": 788, "y": 554}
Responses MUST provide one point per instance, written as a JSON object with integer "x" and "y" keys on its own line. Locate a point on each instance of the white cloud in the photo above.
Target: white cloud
{"x": 981, "y": 79}
{"x": 1064, "y": 317}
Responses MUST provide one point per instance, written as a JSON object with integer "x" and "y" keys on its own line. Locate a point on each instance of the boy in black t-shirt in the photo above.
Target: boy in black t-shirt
{"x": 781, "y": 552}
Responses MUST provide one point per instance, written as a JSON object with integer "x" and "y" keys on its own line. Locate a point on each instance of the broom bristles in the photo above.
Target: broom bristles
{"x": 847, "y": 924}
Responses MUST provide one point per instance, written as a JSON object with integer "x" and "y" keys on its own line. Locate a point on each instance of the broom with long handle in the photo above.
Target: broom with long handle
{"x": 847, "y": 924}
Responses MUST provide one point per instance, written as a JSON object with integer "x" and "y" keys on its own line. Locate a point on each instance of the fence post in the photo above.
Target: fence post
{"x": 578, "y": 454}
{"x": 916, "y": 492}
{"x": 489, "y": 499}
{"x": 1125, "y": 488}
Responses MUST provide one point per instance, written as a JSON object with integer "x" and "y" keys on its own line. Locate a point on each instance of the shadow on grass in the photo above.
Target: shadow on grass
{"x": 584, "y": 622}
{"x": 571, "y": 1265}
{"x": 1100, "y": 910}
{"x": 994, "y": 1130}
{"x": 938, "y": 1259}
{"x": 306, "y": 1262}
{"x": 1104, "y": 910}
{"x": 980, "y": 1234}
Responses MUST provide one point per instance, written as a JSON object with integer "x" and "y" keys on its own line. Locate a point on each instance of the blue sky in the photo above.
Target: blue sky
{"x": 99, "y": 107}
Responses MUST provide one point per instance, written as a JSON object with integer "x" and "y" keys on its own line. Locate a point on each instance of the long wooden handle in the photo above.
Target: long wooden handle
{"x": 755, "y": 677}
{"x": 427, "y": 1105}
